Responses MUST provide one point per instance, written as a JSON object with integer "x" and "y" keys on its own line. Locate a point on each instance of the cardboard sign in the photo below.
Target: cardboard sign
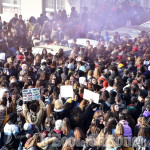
{"x": 2, "y": 56}
{"x": 31, "y": 94}
{"x": 66, "y": 91}
{"x": 91, "y": 95}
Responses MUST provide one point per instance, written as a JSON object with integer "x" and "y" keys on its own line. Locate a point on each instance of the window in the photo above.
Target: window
{"x": 60, "y": 4}
{"x": 49, "y": 4}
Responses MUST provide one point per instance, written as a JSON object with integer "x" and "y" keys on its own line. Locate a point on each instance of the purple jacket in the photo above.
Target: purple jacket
{"x": 127, "y": 128}
{"x": 146, "y": 114}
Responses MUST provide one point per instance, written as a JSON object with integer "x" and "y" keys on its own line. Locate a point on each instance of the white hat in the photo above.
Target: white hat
{"x": 27, "y": 126}
{"x": 58, "y": 124}
{"x": 82, "y": 80}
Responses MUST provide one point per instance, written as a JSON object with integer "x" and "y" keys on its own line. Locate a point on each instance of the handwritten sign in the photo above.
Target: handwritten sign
{"x": 31, "y": 94}
{"x": 66, "y": 91}
{"x": 91, "y": 95}
{"x": 2, "y": 56}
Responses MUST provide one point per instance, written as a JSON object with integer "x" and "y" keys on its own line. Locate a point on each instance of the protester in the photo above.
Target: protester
{"x": 117, "y": 71}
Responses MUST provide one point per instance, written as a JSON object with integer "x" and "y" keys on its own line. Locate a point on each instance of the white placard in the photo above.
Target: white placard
{"x": 2, "y": 56}
{"x": 91, "y": 95}
{"x": 66, "y": 91}
{"x": 31, "y": 94}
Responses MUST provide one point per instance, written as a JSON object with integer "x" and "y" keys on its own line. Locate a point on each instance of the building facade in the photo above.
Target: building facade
{"x": 35, "y": 7}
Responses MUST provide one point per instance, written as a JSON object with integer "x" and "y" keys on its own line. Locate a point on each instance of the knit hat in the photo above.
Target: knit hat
{"x": 120, "y": 65}
{"x": 120, "y": 57}
{"x": 27, "y": 126}
{"x": 58, "y": 107}
{"x": 105, "y": 84}
{"x": 20, "y": 57}
{"x": 58, "y": 124}
{"x": 135, "y": 49}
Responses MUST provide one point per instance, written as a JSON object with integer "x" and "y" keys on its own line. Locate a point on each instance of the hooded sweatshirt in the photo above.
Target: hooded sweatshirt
{"x": 141, "y": 141}
{"x": 146, "y": 114}
{"x": 127, "y": 128}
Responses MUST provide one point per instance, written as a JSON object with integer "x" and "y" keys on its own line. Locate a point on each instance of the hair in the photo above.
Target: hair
{"x": 66, "y": 127}
{"x": 78, "y": 134}
{"x": 77, "y": 114}
{"x": 111, "y": 82}
{"x": 113, "y": 108}
{"x": 110, "y": 142}
{"x": 108, "y": 115}
{"x": 98, "y": 113}
{"x": 68, "y": 145}
{"x": 105, "y": 95}
{"x": 129, "y": 118}
{"x": 83, "y": 104}
{"x": 5, "y": 84}
{"x": 49, "y": 121}
{"x": 3, "y": 101}
{"x": 144, "y": 131}
{"x": 111, "y": 124}
{"x": 38, "y": 58}
{"x": 101, "y": 138}
{"x": 49, "y": 109}
{"x": 119, "y": 130}
{"x": 96, "y": 73}
{"x": 94, "y": 127}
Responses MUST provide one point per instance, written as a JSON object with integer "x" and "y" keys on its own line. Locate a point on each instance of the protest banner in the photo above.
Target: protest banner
{"x": 88, "y": 95}
{"x": 2, "y": 56}
{"x": 31, "y": 94}
{"x": 66, "y": 91}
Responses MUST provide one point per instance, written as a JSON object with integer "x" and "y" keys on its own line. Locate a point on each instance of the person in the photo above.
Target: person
{"x": 31, "y": 114}
{"x": 66, "y": 128}
{"x": 11, "y": 133}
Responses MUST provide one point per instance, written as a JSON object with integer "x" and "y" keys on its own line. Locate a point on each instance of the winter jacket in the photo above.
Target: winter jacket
{"x": 140, "y": 142}
{"x": 44, "y": 144}
{"x": 12, "y": 136}
{"x": 30, "y": 118}
{"x": 146, "y": 114}
{"x": 127, "y": 128}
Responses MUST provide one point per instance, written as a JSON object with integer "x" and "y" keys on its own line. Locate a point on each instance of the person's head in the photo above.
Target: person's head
{"x": 118, "y": 99}
{"x": 16, "y": 16}
{"x": 119, "y": 130}
{"x": 5, "y": 84}
{"x": 105, "y": 95}
{"x": 69, "y": 144}
{"x": 111, "y": 82}
{"x": 3, "y": 101}
{"x": 50, "y": 121}
{"x": 111, "y": 124}
{"x": 110, "y": 142}
{"x": 142, "y": 95}
{"x": 66, "y": 127}
{"x": 78, "y": 134}
{"x": 21, "y": 49}
{"x": 24, "y": 67}
{"x": 133, "y": 101}
{"x": 49, "y": 109}
{"x": 115, "y": 108}
{"x": 122, "y": 116}
{"x": 144, "y": 131}
{"x": 58, "y": 124}
{"x": 33, "y": 107}
{"x": 13, "y": 79}
{"x": 13, "y": 118}
{"x": 44, "y": 52}
{"x": 58, "y": 105}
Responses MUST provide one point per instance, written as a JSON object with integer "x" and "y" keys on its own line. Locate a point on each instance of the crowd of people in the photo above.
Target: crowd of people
{"x": 118, "y": 72}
